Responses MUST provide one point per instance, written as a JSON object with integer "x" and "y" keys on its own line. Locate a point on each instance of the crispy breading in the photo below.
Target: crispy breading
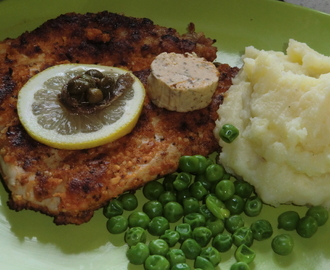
{"x": 71, "y": 185}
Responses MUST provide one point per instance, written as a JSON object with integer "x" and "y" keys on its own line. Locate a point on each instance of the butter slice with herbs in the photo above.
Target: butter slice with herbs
{"x": 182, "y": 82}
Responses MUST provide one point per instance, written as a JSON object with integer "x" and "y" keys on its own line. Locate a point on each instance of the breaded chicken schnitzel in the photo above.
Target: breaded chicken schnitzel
{"x": 70, "y": 185}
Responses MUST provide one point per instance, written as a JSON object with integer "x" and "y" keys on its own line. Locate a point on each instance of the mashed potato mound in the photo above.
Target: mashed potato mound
{"x": 281, "y": 105}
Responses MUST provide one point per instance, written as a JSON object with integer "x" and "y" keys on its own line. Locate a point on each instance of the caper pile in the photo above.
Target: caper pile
{"x": 197, "y": 214}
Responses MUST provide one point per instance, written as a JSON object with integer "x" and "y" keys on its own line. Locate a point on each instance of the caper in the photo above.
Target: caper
{"x": 77, "y": 86}
{"x": 95, "y": 73}
{"x": 91, "y": 81}
{"x": 94, "y": 95}
{"x": 107, "y": 84}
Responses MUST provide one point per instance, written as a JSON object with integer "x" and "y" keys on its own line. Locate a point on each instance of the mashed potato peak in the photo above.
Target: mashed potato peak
{"x": 281, "y": 105}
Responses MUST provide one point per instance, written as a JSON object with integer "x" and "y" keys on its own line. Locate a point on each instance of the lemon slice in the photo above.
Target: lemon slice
{"x": 49, "y": 122}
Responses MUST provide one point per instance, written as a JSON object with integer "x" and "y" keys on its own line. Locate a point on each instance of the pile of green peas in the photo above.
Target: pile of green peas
{"x": 196, "y": 214}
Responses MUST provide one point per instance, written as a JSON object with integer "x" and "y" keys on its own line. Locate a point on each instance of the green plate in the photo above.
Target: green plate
{"x": 29, "y": 240}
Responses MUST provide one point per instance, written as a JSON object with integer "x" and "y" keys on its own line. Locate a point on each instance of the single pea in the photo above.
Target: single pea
{"x": 158, "y": 226}
{"x": 214, "y": 172}
{"x": 135, "y": 235}
{"x": 228, "y": 133}
{"x": 129, "y": 201}
{"x": 307, "y": 226}
{"x": 156, "y": 262}
{"x": 158, "y": 247}
{"x": 211, "y": 254}
{"x": 191, "y": 248}
{"x": 202, "y": 178}
{"x": 203, "y": 263}
{"x": 175, "y": 256}
{"x": 167, "y": 196}
{"x": 239, "y": 266}
{"x": 117, "y": 224}
{"x": 222, "y": 242}
{"x": 181, "y": 266}
{"x": 242, "y": 236}
{"x": 215, "y": 225}
{"x": 203, "y": 163}
{"x": 253, "y": 206}
{"x": 288, "y": 220}
{"x": 138, "y": 219}
{"x": 95, "y": 73}
{"x": 184, "y": 230}
{"x": 261, "y": 229}
{"x": 182, "y": 181}
{"x": 190, "y": 205}
{"x": 168, "y": 182}
{"x": 173, "y": 211}
{"x": 94, "y": 95}
{"x": 198, "y": 191}
{"x": 153, "y": 208}
{"x": 319, "y": 213}
{"x": 193, "y": 164}
{"x": 235, "y": 205}
{"x": 171, "y": 237}
{"x": 233, "y": 223}
{"x": 202, "y": 235}
{"x": 113, "y": 208}
{"x": 194, "y": 220}
{"x": 216, "y": 207}
{"x": 152, "y": 190}
{"x": 245, "y": 254}
{"x": 182, "y": 194}
{"x": 224, "y": 190}
{"x": 243, "y": 189}
{"x": 205, "y": 212}
{"x": 138, "y": 253}
{"x": 282, "y": 244}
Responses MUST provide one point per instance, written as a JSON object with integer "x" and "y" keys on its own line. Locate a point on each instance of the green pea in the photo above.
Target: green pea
{"x": 202, "y": 178}
{"x": 113, "y": 208}
{"x": 288, "y": 220}
{"x": 222, "y": 242}
{"x": 282, "y": 244}
{"x": 152, "y": 190}
{"x": 190, "y": 205}
{"x": 171, "y": 237}
{"x": 224, "y": 190}
{"x": 233, "y": 223}
{"x": 240, "y": 266}
{"x": 194, "y": 220}
{"x": 214, "y": 172}
{"x": 245, "y": 254}
{"x": 181, "y": 266}
{"x": 215, "y": 225}
{"x": 253, "y": 206}
{"x": 175, "y": 256}
{"x": 235, "y": 205}
{"x": 307, "y": 226}
{"x": 193, "y": 164}
{"x": 261, "y": 229}
{"x": 228, "y": 133}
{"x": 135, "y": 235}
{"x": 217, "y": 207}
{"x": 156, "y": 262}
{"x": 190, "y": 248}
{"x": 243, "y": 189}
{"x": 198, "y": 191}
{"x": 158, "y": 226}
{"x": 168, "y": 182}
{"x": 205, "y": 212}
{"x": 202, "y": 235}
{"x": 138, "y": 253}
{"x": 183, "y": 194}
{"x": 173, "y": 211}
{"x": 185, "y": 231}
{"x": 129, "y": 201}
{"x": 117, "y": 224}
{"x": 153, "y": 208}
{"x": 167, "y": 196}
{"x": 182, "y": 181}
{"x": 158, "y": 247}
{"x": 203, "y": 263}
{"x": 242, "y": 236}
{"x": 319, "y": 213}
{"x": 211, "y": 254}
{"x": 138, "y": 219}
